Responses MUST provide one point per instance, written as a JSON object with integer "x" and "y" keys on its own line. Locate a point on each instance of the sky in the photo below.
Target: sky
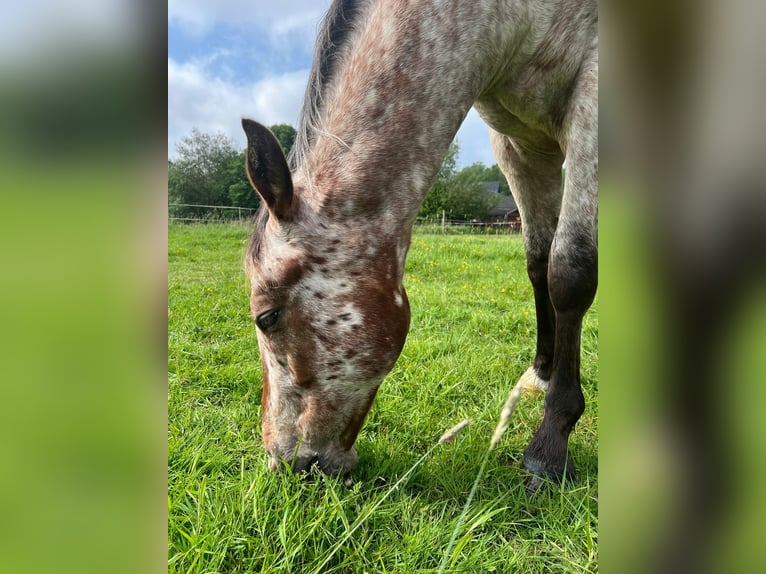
{"x": 233, "y": 58}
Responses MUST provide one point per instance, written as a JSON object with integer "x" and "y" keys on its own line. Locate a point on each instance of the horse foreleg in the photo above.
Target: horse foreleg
{"x": 572, "y": 280}
{"x": 535, "y": 181}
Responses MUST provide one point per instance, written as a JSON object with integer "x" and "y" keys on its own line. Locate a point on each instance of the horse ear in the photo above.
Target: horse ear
{"x": 267, "y": 169}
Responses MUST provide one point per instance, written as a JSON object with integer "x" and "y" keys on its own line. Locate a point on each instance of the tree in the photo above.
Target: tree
{"x": 448, "y": 168}
{"x": 436, "y": 199}
{"x": 476, "y": 172}
{"x": 486, "y": 174}
{"x": 285, "y": 133}
{"x": 468, "y": 198}
{"x": 241, "y": 193}
{"x": 209, "y": 171}
{"x": 458, "y": 195}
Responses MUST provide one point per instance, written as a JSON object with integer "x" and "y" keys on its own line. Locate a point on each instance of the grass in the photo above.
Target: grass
{"x": 472, "y": 336}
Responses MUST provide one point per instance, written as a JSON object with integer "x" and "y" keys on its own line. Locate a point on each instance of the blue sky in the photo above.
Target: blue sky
{"x": 233, "y": 58}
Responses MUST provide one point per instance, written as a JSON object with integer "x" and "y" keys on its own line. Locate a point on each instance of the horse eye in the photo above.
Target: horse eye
{"x": 268, "y": 319}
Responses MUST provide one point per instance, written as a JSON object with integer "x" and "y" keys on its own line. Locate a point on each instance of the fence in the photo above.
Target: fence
{"x": 445, "y": 226}
{"x": 194, "y": 213}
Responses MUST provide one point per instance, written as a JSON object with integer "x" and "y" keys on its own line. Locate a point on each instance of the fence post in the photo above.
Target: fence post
{"x": 444, "y": 222}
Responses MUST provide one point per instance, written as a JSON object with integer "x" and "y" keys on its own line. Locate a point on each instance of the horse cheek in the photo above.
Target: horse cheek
{"x": 266, "y": 429}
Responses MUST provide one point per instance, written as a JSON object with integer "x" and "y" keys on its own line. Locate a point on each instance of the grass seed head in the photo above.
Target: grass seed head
{"x": 451, "y": 433}
{"x": 505, "y": 415}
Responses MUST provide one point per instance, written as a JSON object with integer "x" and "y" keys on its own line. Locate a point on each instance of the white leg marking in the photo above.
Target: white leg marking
{"x": 531, "y": 383}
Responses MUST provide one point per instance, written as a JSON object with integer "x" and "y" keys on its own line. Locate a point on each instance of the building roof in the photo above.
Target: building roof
{"x": 491, "y": 186}
{"x": 505, "y": 206}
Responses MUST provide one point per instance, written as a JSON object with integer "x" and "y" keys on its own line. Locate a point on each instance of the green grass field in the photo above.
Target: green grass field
{"x": 472, "y": 335}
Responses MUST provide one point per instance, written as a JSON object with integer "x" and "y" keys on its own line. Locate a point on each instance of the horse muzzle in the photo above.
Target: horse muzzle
{"x": 333, "y": 461}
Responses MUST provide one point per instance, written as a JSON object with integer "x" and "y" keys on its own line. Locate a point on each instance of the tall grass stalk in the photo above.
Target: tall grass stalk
{"x": 505, "y": 419}
{"x": 448, "y": 436}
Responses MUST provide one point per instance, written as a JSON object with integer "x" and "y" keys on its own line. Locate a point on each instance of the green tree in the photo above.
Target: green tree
{"x": 241, "y": 193}
{"x": 448, "y": 168}
{"x": 209, "y": 170}
{"x": 487, "y": 174}
{"x": 285, "y": 133}
{"x": 475, "y": 172}
{"x": 436, "y": 199}
{"x": 459, "y": 195}
{"x": 467, "y": 197}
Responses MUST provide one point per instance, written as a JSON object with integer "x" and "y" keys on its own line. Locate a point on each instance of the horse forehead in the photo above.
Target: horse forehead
{"x": 333, "y": 243}
{"x": 286, "y": 264}
{"x": 327, "y": 253}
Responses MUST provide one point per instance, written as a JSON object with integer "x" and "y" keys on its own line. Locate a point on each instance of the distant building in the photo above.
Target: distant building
{"x": 491, "y": 186}
{"x": 506, "y": 210}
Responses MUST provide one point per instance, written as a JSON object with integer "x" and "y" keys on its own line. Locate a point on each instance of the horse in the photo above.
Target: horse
{"x": 390, "y": 84}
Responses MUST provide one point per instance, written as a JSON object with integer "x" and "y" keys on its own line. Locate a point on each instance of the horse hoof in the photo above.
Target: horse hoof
{"x": 534, "y": 484}
{"x": 544, "y": 474}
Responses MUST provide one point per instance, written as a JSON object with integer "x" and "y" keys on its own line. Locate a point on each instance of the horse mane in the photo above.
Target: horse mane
{"x": 335, "y": 29}
{"x": 337, "y": 26}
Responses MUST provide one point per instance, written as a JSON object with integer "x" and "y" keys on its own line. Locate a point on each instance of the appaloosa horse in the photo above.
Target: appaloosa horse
{"x": 391, "y": 82}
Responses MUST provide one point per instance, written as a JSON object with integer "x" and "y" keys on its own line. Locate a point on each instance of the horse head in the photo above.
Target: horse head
{"x": 330, "y": 309}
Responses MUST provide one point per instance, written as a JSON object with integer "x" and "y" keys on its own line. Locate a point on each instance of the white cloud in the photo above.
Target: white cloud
{"x": 198, "y": 99}
{"x": 206, "y": 93}
{"x": 281, "y": 17}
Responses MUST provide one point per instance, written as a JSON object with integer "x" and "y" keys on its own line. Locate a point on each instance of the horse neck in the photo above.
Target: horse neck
{"x": 406, "y": 79}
